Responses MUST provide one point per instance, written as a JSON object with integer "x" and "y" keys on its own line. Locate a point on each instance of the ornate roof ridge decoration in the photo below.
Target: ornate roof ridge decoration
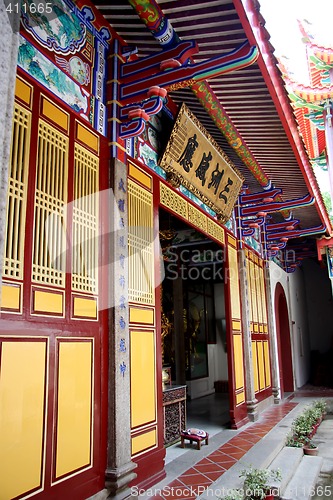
{"x": 324, "y": 53}
{"x": 252, "y": 21}
{"x": 310, "y": 94}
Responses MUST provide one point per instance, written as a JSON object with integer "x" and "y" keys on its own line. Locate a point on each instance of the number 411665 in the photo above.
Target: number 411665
{"x": 31, "y": 8}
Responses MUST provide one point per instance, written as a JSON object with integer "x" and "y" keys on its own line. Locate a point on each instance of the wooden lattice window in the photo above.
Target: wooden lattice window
{"x": 17, "y": 194}
{"x": 85, "y": 221}
{"x": 140, "y": 245}
{"x": 49, "y": 247}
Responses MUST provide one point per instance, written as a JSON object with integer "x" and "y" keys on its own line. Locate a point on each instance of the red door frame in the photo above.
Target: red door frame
{"x": 283, "y": 341}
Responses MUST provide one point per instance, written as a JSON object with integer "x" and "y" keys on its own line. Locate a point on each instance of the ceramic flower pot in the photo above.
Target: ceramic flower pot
{"x": 310, "y": 451}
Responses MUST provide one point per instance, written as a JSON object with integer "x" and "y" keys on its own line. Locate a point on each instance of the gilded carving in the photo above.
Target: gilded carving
{"x": 215, "y": 230}
{"x": 172, "y": 200}
{"x": 197, "y": 161}
{"x": 197, "y": 218}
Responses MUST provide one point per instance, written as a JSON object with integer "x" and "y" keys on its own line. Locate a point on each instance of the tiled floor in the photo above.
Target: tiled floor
{"x": 210, "y": 412}
{"x": 203, "y": 473}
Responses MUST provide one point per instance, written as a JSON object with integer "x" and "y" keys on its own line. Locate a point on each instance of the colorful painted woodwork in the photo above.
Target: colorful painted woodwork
{"x": 49, "y": 316}
{"x": 196, "y": 161}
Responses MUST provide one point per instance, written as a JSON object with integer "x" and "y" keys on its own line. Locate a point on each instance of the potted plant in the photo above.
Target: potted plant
{"x": 234, "y": 495}
{"x": 258, "y": 482}
{"x": 309, "y": 448}
{"x": 302, "y": 426}
{"x": 321, "y": 405}
{"x": 293, "y": 441}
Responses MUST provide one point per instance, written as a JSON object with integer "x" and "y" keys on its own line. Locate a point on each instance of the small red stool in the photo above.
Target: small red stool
{"x": 196, "y": 435}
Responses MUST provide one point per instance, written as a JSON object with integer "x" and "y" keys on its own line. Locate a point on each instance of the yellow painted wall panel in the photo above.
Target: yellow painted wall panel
{"x": 23, "y": 91}
{"x": 85, "y": 308}
{"x": 55, "y": 114}
{"x": 74, "y": 406}
{"x": 22, "y": 382}
{"x": 259, "y": 293}
{"x": 254, "y": 300}
{"x": 240, "y": 398}
{"x": 248, "y": 270}
{"x": 87, "y": 137}
{"x": 10, "y": 296}
{"x": 261, "y": 366}
{"x": 238, "y": 361}
{"x": 139, "y": 175}
{"x": 143, "y": 441}
{"x": 267, "y": 364}
{"x": 236, "y": 325}
{"x": 234, "y": 282}
{"x": 140, "y": 315}
{"x": 48, "y": 302}
{"x": 143, "y": 386}
{"x": 255, "y": 366}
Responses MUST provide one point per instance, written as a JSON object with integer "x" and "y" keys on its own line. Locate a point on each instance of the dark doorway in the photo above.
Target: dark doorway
{"x": 284, "y": 341}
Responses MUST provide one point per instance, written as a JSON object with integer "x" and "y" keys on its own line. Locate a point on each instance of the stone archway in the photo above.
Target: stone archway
{"x": 283, "y": 341}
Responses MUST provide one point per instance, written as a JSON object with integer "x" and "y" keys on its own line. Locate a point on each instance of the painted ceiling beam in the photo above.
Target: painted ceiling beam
{"x": 135, "y": 87}
{"x": 151, "y": 14}
{"x": 144, "y": 66}
{"x": 277, "y": 206}
{"x": 256, "y": 33}
{"x": 261, "y": 196}
{"x": 279, "y": 226}
{"x": 297, "y": 233}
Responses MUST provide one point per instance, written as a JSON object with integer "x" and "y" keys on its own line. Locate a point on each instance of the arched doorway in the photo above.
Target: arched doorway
{"x": 283, "y": 341}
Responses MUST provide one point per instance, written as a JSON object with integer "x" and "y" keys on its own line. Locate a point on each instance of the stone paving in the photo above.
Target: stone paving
{"x": 198, "y": 472}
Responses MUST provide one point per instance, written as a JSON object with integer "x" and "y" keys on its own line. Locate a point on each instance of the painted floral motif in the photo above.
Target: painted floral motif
{"x": 46, "y": 73}
{"x": 76, "y": 68}
{"x": 60, "y": 30}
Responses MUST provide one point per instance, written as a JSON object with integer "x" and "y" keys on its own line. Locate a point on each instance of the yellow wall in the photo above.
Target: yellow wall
{"x": 22, "y": 400}
{"x": 143, "y": 386}
{"x": 74, "y": 406}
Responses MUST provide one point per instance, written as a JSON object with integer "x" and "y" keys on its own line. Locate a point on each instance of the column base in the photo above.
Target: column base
{"x": 252, "y": 410}
{"x": 276, "y": 392}
{"x": 118, "y": 479}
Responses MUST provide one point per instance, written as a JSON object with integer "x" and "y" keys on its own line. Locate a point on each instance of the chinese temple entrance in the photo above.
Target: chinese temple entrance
{"x": 193, "y": 310}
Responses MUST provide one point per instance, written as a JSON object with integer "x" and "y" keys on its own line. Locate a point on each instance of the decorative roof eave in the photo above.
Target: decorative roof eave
{"x": 152, "y": 15}
{"x": 324, "y": 54}
{"x": 311, "y": 95}
{"x": 248, "y": 12}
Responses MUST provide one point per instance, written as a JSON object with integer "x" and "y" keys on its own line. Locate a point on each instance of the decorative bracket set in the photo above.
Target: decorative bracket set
{"x": 254, "y": 209}
{"x": 144, "y": 83}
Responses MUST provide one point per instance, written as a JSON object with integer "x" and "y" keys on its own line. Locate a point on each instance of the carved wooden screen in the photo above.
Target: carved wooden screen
{"x": 17, "y": 194}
